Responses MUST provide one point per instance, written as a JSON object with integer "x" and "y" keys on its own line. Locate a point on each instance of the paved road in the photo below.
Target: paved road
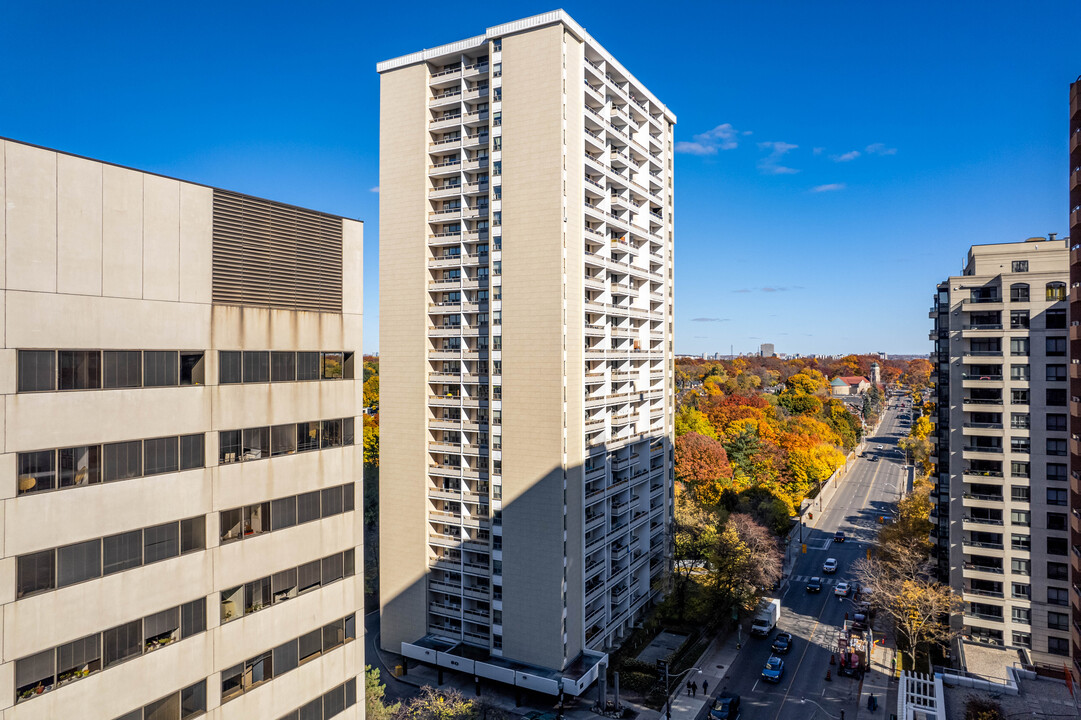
{"x": 868, "y": 491}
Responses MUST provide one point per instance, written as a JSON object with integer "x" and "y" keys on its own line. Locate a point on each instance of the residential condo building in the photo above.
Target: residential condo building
{"x": 1075, "y": 372}
{"x": 178, "y": 475}
{"x": 526, "y": 353}
{"x": 1001, "y": 510}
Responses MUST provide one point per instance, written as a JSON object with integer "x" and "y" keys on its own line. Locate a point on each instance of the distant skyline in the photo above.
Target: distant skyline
{"x": 834, "y": 161}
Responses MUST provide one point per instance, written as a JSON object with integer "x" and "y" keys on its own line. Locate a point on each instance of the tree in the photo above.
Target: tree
{"x": 917, "y": 375}
{"x": 702, "y": 466}
{"x": 442, "y": 704}
{"x": 694, "y": 531}
{"x": 374, "y": 706}
{"x": 743, "y": 559}
{"x": 371, "y": 393}
{"x": 371, "y": 440}
{"x": 808, "y": 381}
{"x": 691, "y": 420}
{"x": 902, "y": 587}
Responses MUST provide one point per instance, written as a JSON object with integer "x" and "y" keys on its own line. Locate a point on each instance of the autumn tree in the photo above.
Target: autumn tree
{"x": 441, "y": 704}
{"x": 917, "y": 375}
{"x": 744, "y": 558}
{"x": 691, "y": 420}
{"x": 371, "y": 393}
{"x": 694, "y": 531}
{"x": 702, "y": 466}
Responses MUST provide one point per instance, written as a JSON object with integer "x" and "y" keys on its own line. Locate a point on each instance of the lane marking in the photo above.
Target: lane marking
{"x": 755, "y": 687}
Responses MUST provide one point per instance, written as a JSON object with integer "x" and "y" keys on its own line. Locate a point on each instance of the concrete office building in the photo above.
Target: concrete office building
{"x": 1075, "y": 372}
{"x": 178, "y": 475}
{"x": 1000, "y": 513}
{"x": 526, "y": 340}
{"x": 766, "y": 350}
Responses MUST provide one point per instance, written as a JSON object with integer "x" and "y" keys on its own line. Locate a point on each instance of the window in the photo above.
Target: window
{"x": 79, "y": 369}
{"x": 122, "y": 368}
{"x": 307, "y": 366}
{"x": 1055, "y": 319}
{"x": 307, "y": 507}
{"x": 307, "y": 436}
{"x": 1056, "y": 446}
{"x": 283, "y": 585}
{"x": 123, "y": 642}
{"x": 283, "y": 366}
{"x": 331, "y": 433}
{"x": 308, "y": 576}
{"x": 78, "y": 562}
{"x": 36, "y": 671}
{"x": 121, "y": 552}
{"x": 1058, "y": 621}
{"x": 1022, "y": 639}
{"x": 348, "y": 497}
{"x": 80, "y": 466}
{"x": 1019, "y": 292}
{"x": 1020, "y": 517}
{"x": 192, "y": 534}
{"x": 1020, "y": 566}
{"x": 1056, "y": 471}
{"x": 256, "y": 443}
{"x": 193, "y": 700}
{"x": 257, "y": 519}
{"x": 161, "y": 456}
{"x": 285, "y": 657}
{"x": 1056, "y": 347}
{"x": 1056, "y": 422}
{"x": 1019, "y": 397}
{"x": 257, "y": 595}
{"x": 1056, "y": 291}
{"x": 310, "y": 645}
{"x": 192, "y": 451}
{"x": 1021, "y": 590}
{"x": 192, "y": 370}
{"x": 1019, "y": 319}
{"x": 1019, "y": 372}
{"x": 1019, "y": 421}
{"x": 1056, "y": 397}
{"x": 231, "y": 684}
{"x": 229, "y": 371}
{"x": 36, "y": 471}
{"x": 1057, "y": 546}
{"x": 1019, "y": 346}
{"x": 283, "y": 513}
{"x": 80, "y": 656}
{"x": 164, "y": 625}
{"x": 1057, "y": 571}
{"x": 1056, "y": 496}
{"x": 331, "y": 501}
{"x": 1021, "y": 542}
{"x": 37, "y": 370}
{"x": 331, "y": 569}
{"x": 123, "y": 460}
{"x": 1056, "y": 373}
{"x": 193, "y": 618}
{"x": 347, "y": 431}
{"x": 1058, "y": 646}
{"x": 161, "y": 542}
{"x": 160, "y": 368}
{"x": 283, "y": 439}
{"x": 332, "y": 365}
{"x": 256, "y": 366}
{"x": 1020, "y": 265}
{"x": 1020, "y": 445}
{"x": 229, "y": 449}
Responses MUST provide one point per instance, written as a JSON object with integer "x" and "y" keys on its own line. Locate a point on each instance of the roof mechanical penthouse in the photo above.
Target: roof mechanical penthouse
{"x": 526, "y": 191}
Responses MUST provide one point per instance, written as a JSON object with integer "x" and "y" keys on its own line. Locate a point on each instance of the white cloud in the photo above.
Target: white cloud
{"x": 880, "y": 149}
{"x": 828, "y": 188}
{"x": 722, "y": 137}
{"x": 770, "y": 165}
{"x": 847, "y": 157}
{"x": 819, "y": 150}
{"x": 374, "y": 189}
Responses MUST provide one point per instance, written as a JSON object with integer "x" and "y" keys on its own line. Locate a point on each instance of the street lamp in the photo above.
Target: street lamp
{"x": 667, "y": 690}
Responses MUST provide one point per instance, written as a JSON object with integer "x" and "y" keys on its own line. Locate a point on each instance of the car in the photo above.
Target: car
{"x": 773, "y": 670}
{"x": 838, "y": 536}
{"x": 878, "y": 447}
{"x": 841, "y": 589}
{"x": 830, "y": 566}
{"x": 814, "y": 585}
{"x": 725, "y": 707}
{"x": 782, "y": 643}
{"x": 873, "y": 458}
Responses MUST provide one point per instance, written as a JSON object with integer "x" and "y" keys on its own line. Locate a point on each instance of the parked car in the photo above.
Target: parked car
{"x": 830, "y": 566}
{"x": 840, "y": 588}
{"x": 782, "y": 643}
{"x": 814, "y": 585}
{"x": 774, "y": 669}
{"x": 725, "y": 707}
{"x": 838, "y": 536}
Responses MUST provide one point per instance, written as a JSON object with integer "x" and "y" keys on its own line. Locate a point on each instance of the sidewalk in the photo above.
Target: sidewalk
{"x": 880, "y": 680}
{"x": 714, "y": 663}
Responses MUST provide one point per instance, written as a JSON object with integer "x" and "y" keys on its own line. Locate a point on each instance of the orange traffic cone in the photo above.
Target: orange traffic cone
{"x": 833, "y": 660}
{"x": 828, "y": 678}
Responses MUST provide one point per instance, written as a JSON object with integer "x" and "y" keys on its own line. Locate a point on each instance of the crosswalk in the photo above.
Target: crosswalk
{"x": 824, "y": 579}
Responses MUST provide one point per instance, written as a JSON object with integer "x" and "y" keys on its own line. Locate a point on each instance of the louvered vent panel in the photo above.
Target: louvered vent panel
{"x": 272, "y": 255}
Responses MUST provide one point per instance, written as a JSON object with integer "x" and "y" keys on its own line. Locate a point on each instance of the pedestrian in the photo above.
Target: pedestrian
{"x": 846, "y": 616}
{"x": 688, "y": 687}
{"x": 694, "y": 689}
{"x": 705, "y": 687}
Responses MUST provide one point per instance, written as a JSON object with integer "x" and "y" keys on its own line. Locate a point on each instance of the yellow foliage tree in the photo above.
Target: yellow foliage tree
{"x": 922, "y": 428}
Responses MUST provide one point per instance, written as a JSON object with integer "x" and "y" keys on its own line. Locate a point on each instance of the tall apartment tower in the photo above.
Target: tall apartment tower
{"x": 1075, "y": 371}
{"x": 526, "y": 351}
{"x": 177, "y": 466}
{"x": 1001, "y": 513}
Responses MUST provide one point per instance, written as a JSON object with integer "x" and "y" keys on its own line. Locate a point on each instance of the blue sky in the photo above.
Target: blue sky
{"x": 842, "y": 155}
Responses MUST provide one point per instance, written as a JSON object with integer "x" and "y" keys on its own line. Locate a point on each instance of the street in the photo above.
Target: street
{"x": 868, "y": 491}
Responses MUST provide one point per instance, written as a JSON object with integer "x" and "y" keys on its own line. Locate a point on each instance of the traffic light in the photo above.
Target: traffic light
{"x": 803, "y": 548}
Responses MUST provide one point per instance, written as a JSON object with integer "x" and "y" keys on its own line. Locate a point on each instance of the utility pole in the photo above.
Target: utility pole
{"x": 662, "y": 671}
